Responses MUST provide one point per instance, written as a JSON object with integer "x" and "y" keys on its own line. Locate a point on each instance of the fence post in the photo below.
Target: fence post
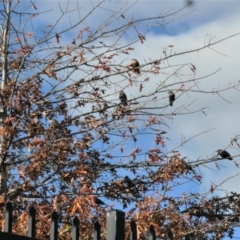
{"x": 31, "y": 222}
{"x": 187, "y": 237}
{"x": 8, "y": 218}
{"x": 152, "y": 234}
{"x": 75, "y": 229}
{"x": 133, "y": 233}
{"x": 169, "y": 235}
{"x": 115, "y": 225}
{"x": 54, "y": 226}
{"x": 96, "y": 231}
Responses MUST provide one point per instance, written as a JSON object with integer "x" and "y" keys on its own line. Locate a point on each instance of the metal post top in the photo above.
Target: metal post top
{"x": 116, "y": 212}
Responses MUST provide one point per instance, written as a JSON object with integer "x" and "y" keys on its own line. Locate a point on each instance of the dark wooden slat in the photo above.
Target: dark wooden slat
{"x": 75, "y": 229}
{"x": 31, "y": 222}
{"x": 187, "y": 237}
{"x": 152, "y": 234}
{"x": 11, "y": 236}
{"x": 96, "y": 231}
{"x": 133, "y": 233}
{"x": 169, "y": 235}
{"x": 54, "y": 226}
{"x": 115, "y": 225}
{"x": 8, "y": 218}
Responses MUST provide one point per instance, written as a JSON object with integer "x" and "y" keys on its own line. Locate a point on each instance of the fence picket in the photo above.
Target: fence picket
{"x": 115, "y": 225}
{"x": 31, "y": 222}
{"x": 169, "y": 235}
{"x": 133, "y": 233}
{"x": 152, "y": 234}
{"x": 75, "y": 229}
{"x": 8, "y": 218}
{"x": 54, "y": 226}
{"x": 96, "y": 231}
{"x": 187, "y": 237}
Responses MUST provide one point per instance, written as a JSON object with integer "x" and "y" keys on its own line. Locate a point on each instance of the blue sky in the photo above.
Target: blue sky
{"x": 188, "y": 29}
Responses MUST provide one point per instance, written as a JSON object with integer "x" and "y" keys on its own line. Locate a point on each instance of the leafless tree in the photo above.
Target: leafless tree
{"x": 67, "y": 139}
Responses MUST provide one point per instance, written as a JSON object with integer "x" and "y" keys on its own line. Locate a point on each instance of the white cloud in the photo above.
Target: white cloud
{"x": 216, "y": 19}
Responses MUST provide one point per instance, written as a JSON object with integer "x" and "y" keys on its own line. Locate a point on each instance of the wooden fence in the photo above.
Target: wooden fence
{"x": 115, "y": 227}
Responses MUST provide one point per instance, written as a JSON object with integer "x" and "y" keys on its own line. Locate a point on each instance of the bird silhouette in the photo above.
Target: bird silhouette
{"x": 224, "y": 154}
{"x": 171, "y": 97}
{"x": 134, "y": 66}
{"x": 53, "y": 123}
{"x": 123, "y": 97}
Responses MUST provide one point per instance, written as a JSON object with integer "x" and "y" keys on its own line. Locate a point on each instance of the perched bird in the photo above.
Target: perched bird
{"x": 123, "y": 97}
{"x": 171, "y": 97}
{"x": 128, "y": 181}
{"x": 134, "y": 65}
{"x": 224, "y": 154}
{"x": 54, "y": 123}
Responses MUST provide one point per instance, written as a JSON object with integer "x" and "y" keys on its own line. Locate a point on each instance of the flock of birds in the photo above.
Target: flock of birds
{"x": 134, "y": 66}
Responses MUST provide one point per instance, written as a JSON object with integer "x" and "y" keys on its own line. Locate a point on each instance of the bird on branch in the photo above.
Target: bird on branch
{"x": 128, "y": 181}
{"x": 123, "y": 97}
{"x": 224, "y": 154}
{"x": 134, "y": 66}
{"x": 53, "y": 123}
{"x": 171, "y": 97}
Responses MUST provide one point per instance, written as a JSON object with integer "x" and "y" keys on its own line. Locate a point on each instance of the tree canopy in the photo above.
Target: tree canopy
{"x": 85, "y": 125}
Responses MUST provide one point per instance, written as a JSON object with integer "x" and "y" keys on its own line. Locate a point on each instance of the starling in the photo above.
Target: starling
{"x": 171, "y": 97}
{"x": 123, "y": 98}
{"x": 54, "y": 123}
{"x": 224, "y": 154}
{"x": 128, "y": 181}
{"x": 134, "y": 65}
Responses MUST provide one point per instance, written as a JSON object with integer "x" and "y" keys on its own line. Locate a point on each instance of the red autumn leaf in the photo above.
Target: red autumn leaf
{"x": 57, "y": 38}
{"x": 151, "y": 120}
{"x": 135, "y": 151}
{"x": 198, "y": 177}
{"x": 212, "y": 189}
{"x": 159, "y": 141}
{"x": 181, "y": 88}
{"x": 9, "y": 119}
{"x": 33, "y": 15}
{"x": 184, "y": 195}
{"x": 141, "y": 38}
{"x": 29, "y": 34}
{"x": 109, "y": 156}
{"x": 17, "y": 39}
